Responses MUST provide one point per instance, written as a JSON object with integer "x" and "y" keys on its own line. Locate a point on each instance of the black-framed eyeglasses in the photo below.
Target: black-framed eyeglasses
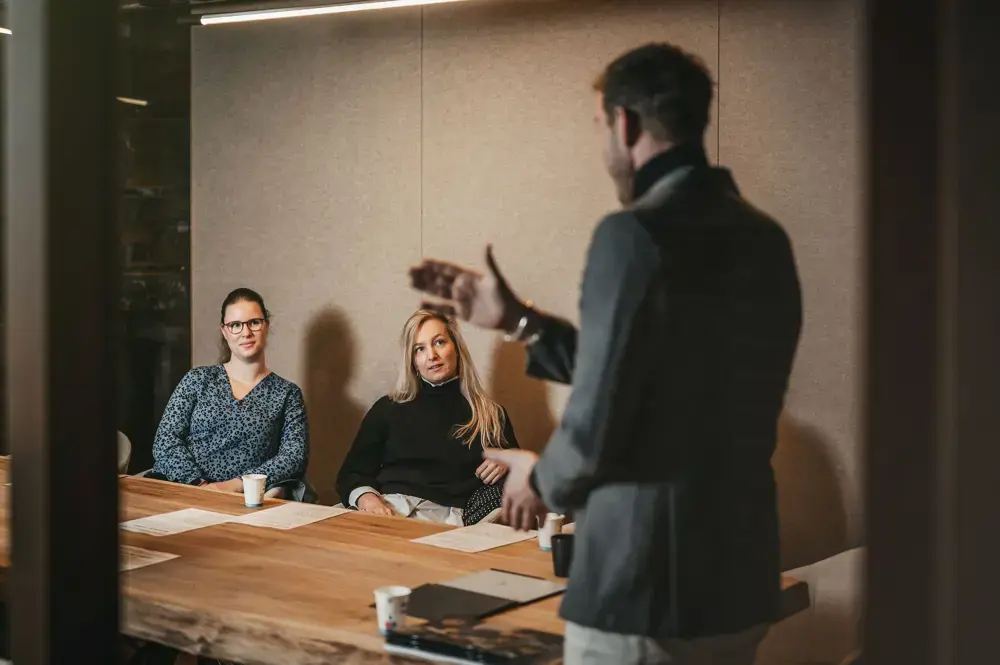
{"x": 236, "y": 327}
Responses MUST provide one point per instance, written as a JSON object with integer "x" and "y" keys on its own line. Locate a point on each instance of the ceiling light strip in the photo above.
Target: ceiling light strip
{"x": 134, "y": 102}
{"x": 272, "y": 14}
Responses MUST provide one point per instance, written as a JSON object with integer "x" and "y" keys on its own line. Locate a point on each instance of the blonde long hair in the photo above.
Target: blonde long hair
{"x": 488, "y": 417}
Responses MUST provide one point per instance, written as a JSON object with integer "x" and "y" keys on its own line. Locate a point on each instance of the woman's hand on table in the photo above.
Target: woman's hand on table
{"x": 373, "y": 504}
{"x": 234, "y": 486}
{"x": 491, "y": 472}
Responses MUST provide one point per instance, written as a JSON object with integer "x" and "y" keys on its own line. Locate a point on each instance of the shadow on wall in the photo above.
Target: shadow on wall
{"x": 526, "y": 399}
{"x": 811, "y": 503}
{"x": 815, "y": 537}
{"x": 334, "y": 416}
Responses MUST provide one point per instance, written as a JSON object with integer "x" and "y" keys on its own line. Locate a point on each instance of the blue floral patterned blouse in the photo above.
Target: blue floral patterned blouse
{"x": 207, "y": 434}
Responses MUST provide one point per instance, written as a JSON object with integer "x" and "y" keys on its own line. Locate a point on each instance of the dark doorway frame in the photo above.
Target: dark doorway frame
{"x": 61, "y": 285}
{"x": 933, "y": 395}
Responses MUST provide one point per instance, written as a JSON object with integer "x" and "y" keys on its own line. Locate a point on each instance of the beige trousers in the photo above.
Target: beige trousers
{"x": 589, "y": 646}
{"x": 422, "y": 509}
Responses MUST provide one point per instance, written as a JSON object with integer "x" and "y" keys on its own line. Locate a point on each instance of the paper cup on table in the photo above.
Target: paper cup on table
{"x": 390, "y": 606}
{"x": 253, "y": 489}
{"x": 551, "y": 526}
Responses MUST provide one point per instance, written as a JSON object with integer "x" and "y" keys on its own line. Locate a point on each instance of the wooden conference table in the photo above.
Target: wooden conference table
{"x": 301, "y": 596}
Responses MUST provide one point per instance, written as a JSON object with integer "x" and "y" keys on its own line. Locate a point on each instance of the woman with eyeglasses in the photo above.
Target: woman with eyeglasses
{"x": 237, "y": 417}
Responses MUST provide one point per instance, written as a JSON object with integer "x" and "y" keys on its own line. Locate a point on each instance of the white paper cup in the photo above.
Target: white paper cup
{"x": 552, "y": 525}
{"x": 390, "y": 606}
{"x": 253, "y": 489}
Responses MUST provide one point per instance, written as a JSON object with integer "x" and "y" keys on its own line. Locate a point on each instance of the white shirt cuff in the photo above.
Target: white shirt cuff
{"x": 352, "y": 500}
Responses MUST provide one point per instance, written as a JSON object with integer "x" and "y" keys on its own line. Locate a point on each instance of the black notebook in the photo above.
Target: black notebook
{"x": 478, "y": 595}
{"x": 462, "y": 642}
{"x": 435, "y": 602}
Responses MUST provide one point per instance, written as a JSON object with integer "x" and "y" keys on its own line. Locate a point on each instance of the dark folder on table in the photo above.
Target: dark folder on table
{"x": 478, "y": 595}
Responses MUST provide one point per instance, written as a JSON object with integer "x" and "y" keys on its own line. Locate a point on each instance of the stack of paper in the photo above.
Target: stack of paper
{"x": 476, "y": 538}
{"x": 178, "y": 521}
{"x": 285, "y": 516}
{"x": 290, "y": 515}
{"x": 510, "y": 586}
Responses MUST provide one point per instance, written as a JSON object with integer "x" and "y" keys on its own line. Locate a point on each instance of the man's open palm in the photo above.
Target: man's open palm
{"x": 483, "y": 299}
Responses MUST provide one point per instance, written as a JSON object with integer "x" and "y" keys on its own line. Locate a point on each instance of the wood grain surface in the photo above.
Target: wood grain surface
{"x": 296, "y": 597}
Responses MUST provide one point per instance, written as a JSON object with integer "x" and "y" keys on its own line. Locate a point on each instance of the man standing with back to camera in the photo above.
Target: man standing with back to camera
{"x": 690, "y": 312}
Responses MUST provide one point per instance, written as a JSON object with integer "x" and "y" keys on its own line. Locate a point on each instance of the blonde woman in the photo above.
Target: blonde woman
{"x": 419, "y": 451}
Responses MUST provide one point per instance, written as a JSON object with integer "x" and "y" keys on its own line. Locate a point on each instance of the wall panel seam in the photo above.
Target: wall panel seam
{"x": 718, "y": 82}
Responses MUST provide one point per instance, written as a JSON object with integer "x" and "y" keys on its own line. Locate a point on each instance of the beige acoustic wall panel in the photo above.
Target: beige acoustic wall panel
{"x": 789, "y": 129}
{"x": 510, "y": 154}
{"x": 306, "y": 187}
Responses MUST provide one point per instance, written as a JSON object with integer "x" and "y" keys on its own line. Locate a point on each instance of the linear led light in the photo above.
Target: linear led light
{"x": 134, "y": 102}
{"x": 342, "y": 8}
{"x": 6, "y": 31}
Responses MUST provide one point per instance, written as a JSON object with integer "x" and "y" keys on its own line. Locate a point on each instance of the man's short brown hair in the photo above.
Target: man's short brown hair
{"x": 669, "y": 89}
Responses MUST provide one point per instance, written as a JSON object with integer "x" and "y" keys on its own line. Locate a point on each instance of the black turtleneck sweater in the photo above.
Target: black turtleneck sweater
{"x": 691, "y": 154}
{"x": 411, "y": 448}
